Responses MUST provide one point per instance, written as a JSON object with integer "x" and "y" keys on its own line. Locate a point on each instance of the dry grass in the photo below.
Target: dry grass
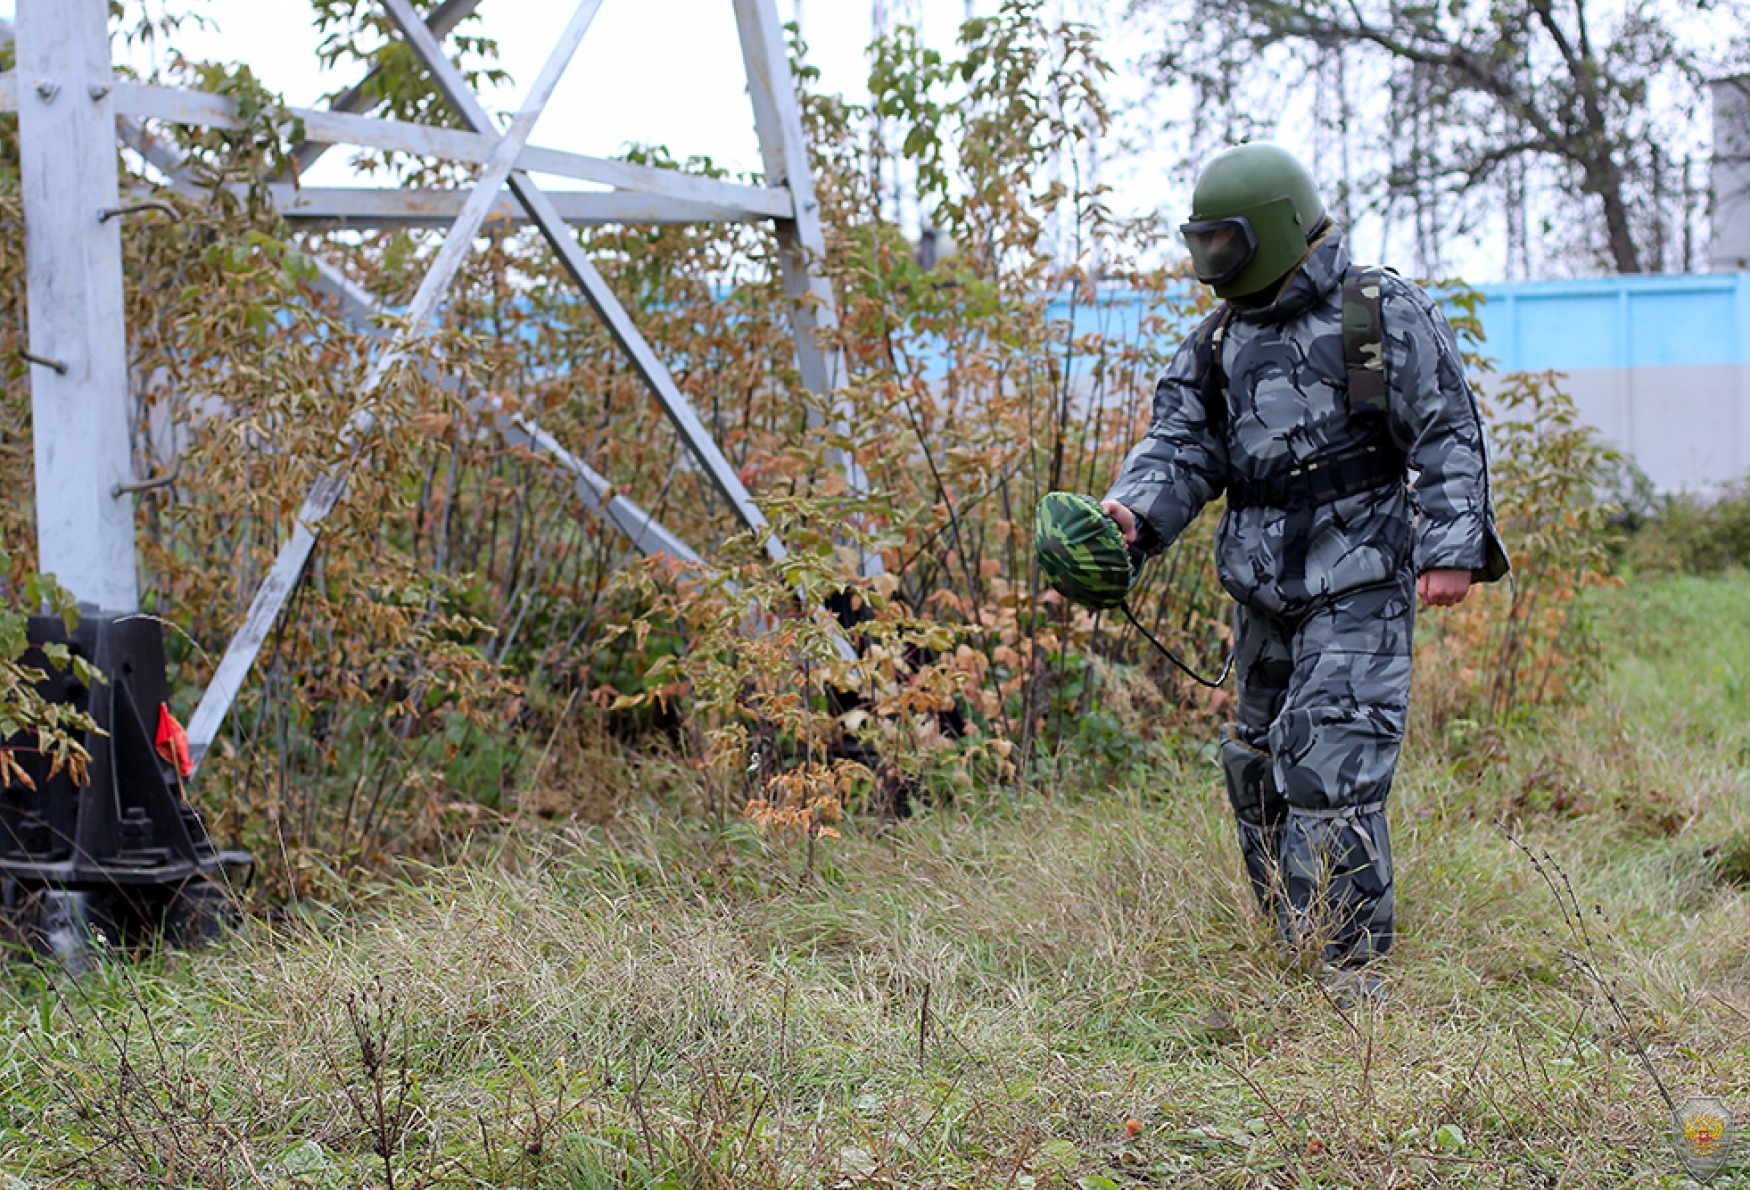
{"x": 1061, "y": 988}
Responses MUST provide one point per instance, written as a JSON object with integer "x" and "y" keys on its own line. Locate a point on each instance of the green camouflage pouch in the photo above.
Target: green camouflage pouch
{"x": 1081, "y": 551}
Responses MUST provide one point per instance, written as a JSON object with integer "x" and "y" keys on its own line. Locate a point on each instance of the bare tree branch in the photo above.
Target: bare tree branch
{"x": 1569, "y": 95}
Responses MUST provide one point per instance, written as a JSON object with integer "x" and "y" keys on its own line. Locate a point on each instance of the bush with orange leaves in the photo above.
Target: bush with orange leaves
{"x": 1525, "y": 643}
{"x": 807, "y": 801}
{"x": 806, "y": 689}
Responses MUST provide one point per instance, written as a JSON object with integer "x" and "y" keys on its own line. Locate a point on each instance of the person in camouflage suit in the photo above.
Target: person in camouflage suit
{"x": 1340, "y": 513}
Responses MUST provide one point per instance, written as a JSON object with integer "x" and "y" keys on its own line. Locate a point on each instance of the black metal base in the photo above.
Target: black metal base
{"x": 126, "y": 855}
{"x": 76, "y": 928}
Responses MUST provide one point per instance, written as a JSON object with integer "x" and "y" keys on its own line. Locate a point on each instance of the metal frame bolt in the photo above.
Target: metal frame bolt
{"x": 54, "y": 365}
{"x": 107, "y": 213}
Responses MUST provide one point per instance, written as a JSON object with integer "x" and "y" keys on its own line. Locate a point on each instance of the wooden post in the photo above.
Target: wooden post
{"x": 78, "y": 340}
{"x": 801, "y": 241}
{"x": 778, "y": 120}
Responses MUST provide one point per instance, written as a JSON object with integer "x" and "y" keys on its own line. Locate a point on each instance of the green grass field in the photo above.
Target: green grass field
{"x": 1055, "y": 989}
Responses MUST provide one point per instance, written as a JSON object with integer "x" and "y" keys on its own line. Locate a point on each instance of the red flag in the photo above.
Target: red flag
{"x": 172, "y": 741}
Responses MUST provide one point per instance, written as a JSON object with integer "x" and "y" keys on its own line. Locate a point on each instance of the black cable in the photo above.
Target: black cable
{"x": 1227, "y": 666}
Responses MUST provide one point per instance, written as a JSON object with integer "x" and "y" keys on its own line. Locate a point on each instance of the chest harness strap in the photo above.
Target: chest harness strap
{"x": 1373, "y": 464}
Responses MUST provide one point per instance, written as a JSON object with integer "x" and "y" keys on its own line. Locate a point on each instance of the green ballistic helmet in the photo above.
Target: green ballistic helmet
{"x": 1080, "y": 550}
{"x": 1252, "y": 212}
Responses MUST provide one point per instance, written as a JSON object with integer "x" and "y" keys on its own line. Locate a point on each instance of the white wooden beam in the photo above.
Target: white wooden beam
{"x": 778, "y": 121}
{"x": 361, "y": 207}
{"x": 202, "y": 109}
{"x": 420, "y": 316}
{"x": 205, "y": 110}
{"x": 801, "y": 239}
{"x": 79, "y": 382}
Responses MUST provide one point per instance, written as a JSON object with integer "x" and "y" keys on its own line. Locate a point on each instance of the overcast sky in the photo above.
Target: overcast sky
{"x": 669, "y": 72}
{"x": 665, "y": 72}
{"x": 649, "y": 72}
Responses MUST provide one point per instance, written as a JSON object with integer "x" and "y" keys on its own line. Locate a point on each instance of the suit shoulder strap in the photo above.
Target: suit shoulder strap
{"x": 1364, "y": 340}
{"x": 1211, "y": 381}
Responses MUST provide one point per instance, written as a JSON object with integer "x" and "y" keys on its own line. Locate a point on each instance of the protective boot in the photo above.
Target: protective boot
{"x": 1337, "y": 879}
{"x": 1260, "y": 811}
{"x": 1335, "y": 760}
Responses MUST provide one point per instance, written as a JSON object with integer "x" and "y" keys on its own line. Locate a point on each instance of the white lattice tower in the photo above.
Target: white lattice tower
{"x": 70, "y": 106}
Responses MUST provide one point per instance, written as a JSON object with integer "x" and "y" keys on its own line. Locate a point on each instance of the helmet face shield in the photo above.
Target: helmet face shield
{"x": 1240, "y": 252}
{"x": 1269, "y": 190}
{"x": 1220, "y": 248}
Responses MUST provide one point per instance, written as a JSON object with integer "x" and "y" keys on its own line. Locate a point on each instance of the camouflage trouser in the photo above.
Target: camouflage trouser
{"x": 1322, "y": 703}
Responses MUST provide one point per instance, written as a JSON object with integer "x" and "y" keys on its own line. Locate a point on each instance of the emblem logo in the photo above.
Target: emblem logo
{"x": 1701, "y": 1132}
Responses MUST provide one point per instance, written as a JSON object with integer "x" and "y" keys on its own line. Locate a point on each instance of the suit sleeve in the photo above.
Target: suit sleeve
{"x": 1180, "y": 464}
{"x": 1435, "y": 419}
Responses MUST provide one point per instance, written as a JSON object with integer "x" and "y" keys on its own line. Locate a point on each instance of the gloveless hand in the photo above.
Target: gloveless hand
{"x": 1443, "y": 588}
{"x": 1125, "y": 518}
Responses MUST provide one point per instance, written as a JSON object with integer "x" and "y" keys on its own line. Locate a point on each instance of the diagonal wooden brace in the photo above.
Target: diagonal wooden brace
{"x": 288, "y": 566}
{"x": 595, "y": 290}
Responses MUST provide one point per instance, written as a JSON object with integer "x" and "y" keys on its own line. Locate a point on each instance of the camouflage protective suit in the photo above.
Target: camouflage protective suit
{"x": 1326, "y": 591}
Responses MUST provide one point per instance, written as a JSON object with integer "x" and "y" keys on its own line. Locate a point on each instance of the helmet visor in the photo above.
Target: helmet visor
{"x": 1220, "y": 248}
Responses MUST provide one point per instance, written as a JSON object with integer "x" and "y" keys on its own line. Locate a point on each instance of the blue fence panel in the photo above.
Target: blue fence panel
{"x": 1619, "y": 322}
{"x": 1613, "y": 322}
{"x": 1561, "y": 326}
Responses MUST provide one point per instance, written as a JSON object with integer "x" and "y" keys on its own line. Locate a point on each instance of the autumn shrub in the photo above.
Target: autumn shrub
{"x": 1688, "y": 533}
{"x": 29, "y": 722}
{"x": 1525, "y": 642}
